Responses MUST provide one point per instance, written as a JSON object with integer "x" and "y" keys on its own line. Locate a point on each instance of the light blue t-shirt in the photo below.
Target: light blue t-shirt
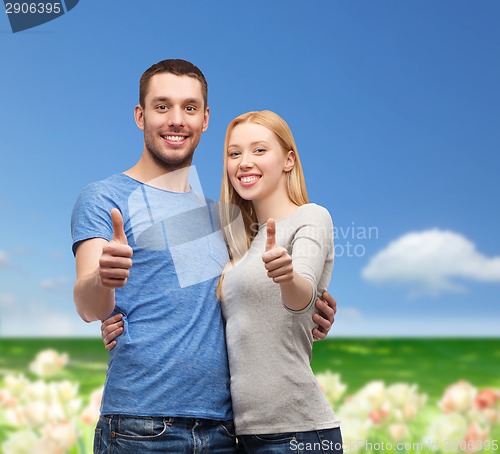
{"x": 172, "y": 358}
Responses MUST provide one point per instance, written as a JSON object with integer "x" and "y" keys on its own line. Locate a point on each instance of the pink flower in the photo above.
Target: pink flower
{"x": 458, "y": 397}
{"x": 379, "y": 415}
{"x": 475, "y": 437}
{"x": 399, "y": 431}
{"x": 487, "y": 398}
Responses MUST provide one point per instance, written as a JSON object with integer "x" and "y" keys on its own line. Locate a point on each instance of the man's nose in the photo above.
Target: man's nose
{"x": 176, "y": 117}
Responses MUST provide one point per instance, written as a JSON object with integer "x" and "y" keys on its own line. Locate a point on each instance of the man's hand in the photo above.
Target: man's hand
{"x": 116, "y": 258}
{"x": 111, "y": 328}
{"x": 326, "y": 318}
{"x": 276, "y": 259}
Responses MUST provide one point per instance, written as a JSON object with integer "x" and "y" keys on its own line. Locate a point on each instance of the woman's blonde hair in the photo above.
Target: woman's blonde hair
{"x": 231, "y": 204}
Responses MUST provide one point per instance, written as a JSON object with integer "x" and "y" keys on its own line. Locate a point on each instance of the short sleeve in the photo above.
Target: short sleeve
{"x": 91, "y": 216}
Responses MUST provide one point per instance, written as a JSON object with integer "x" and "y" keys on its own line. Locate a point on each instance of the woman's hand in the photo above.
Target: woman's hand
{"x": 111, "y": 328}
{"x": 277, "y": 260}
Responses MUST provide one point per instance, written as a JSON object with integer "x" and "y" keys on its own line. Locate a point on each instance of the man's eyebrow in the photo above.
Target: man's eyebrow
{"x": 160, "y": 99}
{"x": 193, "y": 101}
{"x": 185, "y": 101}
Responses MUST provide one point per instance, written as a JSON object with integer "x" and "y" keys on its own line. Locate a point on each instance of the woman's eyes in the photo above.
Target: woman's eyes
{"x": 235, "y": 154}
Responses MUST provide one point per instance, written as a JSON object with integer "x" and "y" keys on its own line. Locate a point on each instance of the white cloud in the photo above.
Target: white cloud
{"x": 4, "y": 259}
{"x": 49, "y": 324}
{"x": 56, "y": 283}
{"x": 24, "y": 250}
{"x": 7, "y": 300}
{"x": 349, "y": 313}
{"x": 428, "y": 261}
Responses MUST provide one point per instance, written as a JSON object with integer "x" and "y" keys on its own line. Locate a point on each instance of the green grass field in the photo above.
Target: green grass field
{"x": 433, "y": 364}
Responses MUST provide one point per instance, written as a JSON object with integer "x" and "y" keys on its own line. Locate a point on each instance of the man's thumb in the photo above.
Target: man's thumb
{"x": 118, "y": 231}
{"x": 271, "y": 234}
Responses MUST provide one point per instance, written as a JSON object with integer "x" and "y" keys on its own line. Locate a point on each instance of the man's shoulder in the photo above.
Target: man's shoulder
{"x": 114, "y": 181}
{"x": 114, "y": 186}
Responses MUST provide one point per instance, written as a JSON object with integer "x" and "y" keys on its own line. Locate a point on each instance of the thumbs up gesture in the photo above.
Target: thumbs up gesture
{"x": 116, "y": 258}
{"x": 276, "y": 259}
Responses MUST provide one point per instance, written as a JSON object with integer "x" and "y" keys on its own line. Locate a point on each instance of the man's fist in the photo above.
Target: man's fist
{"x": 116, "y": 258}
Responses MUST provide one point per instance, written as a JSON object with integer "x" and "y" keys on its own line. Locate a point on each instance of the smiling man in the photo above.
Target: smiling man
{"x": 167, "y": 385}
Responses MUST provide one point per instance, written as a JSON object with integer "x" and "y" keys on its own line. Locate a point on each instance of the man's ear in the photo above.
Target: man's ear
{"x": 290, "y": 161}
{"x": 205, "y": 119}
{"x": 139, "y": 117}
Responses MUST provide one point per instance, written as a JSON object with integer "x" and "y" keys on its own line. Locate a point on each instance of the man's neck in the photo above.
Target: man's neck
{"x": 149, "y": 172}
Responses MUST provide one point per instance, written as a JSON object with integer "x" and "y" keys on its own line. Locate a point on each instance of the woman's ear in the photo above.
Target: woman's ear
{"x": 289, "y": 161}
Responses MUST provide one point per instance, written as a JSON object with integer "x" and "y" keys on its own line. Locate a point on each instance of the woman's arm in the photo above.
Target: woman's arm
{"x": 296, "y": 290}
{"x": 300, "y": 274}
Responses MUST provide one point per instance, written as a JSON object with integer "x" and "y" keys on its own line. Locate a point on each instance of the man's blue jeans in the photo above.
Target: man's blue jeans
{"x": 119, "y": 434}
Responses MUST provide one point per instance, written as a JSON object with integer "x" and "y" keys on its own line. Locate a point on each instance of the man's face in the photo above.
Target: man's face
{"x": 173, "y": 118}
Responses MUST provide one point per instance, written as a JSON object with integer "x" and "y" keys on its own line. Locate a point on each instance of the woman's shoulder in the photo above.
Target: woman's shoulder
{"x": 314, "y": 213}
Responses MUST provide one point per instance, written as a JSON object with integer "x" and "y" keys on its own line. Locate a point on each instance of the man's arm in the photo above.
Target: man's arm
{"x": 101, "y": 266}
{"x": 326, "y": 318}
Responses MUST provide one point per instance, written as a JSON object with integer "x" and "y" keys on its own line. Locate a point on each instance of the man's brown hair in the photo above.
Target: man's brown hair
{"x": 177, "y": 67}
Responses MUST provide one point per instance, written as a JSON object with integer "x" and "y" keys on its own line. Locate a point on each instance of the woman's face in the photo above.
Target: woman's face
{"x": 256, "y": 162}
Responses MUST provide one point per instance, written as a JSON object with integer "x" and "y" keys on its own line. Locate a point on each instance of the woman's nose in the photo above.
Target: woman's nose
{"x": 245, "y": 162}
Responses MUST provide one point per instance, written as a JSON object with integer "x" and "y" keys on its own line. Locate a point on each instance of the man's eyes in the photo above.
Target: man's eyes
{"x": 164, "y": 107}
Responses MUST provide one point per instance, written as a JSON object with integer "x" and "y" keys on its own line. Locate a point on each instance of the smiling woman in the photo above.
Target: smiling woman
{"x": 267, "y": 295}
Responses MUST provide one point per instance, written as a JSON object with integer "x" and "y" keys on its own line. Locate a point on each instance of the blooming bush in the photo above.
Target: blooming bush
{"x": 380, "y": 418}
{"x": 468, "y": 417}
{"x": 46, "y": 417}
{"x": 49, "y": 416}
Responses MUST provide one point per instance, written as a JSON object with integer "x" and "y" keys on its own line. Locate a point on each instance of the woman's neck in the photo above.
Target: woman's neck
{"x": 276, "y": 206}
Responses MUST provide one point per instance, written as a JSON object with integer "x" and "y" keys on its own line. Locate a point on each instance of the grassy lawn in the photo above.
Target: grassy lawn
{"x": 433, "y": 364}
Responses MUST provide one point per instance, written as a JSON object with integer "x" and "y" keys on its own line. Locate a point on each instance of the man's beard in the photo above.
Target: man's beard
{"x": 166, "y": 162}
{"x": 169, "y": 164}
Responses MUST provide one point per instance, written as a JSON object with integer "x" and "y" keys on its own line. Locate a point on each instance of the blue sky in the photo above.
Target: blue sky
{"x": 394, "y": 107}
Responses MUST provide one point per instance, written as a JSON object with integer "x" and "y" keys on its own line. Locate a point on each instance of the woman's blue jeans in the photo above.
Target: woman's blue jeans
{"x": 326, "y": 441}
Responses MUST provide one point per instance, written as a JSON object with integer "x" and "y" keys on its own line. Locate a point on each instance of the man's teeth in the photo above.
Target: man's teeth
{"x": 249, "y": 179}
{"x": 174, "y": 138}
